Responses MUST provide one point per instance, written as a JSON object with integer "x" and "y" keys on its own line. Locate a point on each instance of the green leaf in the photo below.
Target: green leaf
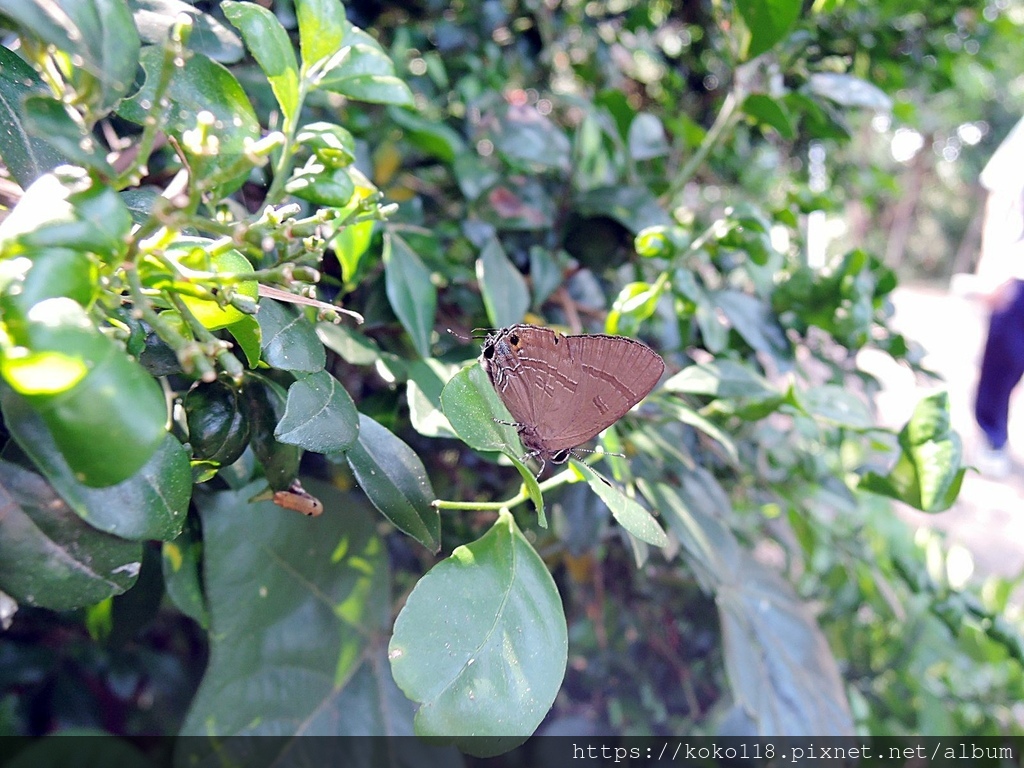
{"x": 350, "y": 245}
{"x": 268, "y": 42}
{"x": 49, "y": 117}
{"x": 647, "y": 137}
{"x": 27, "y": 155}
{"x": 768, "y": 111}
{"x": 322, "y": 29}
{"x": 473, "y": 175}
{"x": 780, "y": 667}
{"x": 714, "y": 334}
{"x": 370, "y": 86}
{"x": 628, "y": 512}
{"x": 354, "y": 347}
{"x": 482, "y": 421}
{"x": 108, "y": 422}
{"x": 849, "y": 91}
{"x": 939, "y": 473}
{"x": 150, "y": 504}
{"x": 837, "y": 405}
{"x": 333, "y": 145}
{"x": 635, "y": 303}
{"x": 156, "y": 18}
{"x": 289, "y": 340}
{"x": 481, "y": 643}
{"x": 201, "y": 85}
{"x": 754, "y": 320}
{"x": 393, "y": 478}
{"x": 49, "y": 556}
{"x": 320, "y": 416}
{"x": 930, "y": 421}
{"x": 423, "y": 393}
{"x": 324, "y": 186}
{"x": 722, "y": 378}
{"x": 635, "y": 208}
{"x": 927, "y": 474}
{"x": 264, "y": 402}
{"x": 476, "y": 413}
{"x": 532, "y": 490}
{"x": 545, "y": 274}
{"x": 689, "y": 416}
{"x": 410, "y": 291}
{"x": 365, "y": 73}
{"x": 182, "y": 561}
{"x": 69, "y": 208}
{"x": 294, "y": 603}
{"x": 693, "y": 513}
{"x": 249, "y": 335}
{"x": 504, "y": 290}
{"x": 434, "y": 138}
{"x": 768, "y": 22}
{"x": 99, "y": 36}
{"x": 526, "y": 137}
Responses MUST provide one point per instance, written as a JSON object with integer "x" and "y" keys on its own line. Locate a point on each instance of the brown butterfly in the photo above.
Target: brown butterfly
{"x": 564, "y": 390}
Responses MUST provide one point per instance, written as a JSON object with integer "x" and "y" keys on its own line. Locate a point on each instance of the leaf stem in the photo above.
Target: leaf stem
{"x": 174, "y": 50}
{"x": 220, "y": 348}
{"x": 565, "y": 476}
{"x": 723, "y": 121}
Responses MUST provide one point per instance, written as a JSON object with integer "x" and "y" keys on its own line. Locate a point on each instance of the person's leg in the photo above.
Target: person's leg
{"x": 1002, "y": 366}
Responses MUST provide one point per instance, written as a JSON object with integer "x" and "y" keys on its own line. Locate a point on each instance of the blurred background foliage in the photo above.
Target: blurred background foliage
{"x": 564, "y": 158}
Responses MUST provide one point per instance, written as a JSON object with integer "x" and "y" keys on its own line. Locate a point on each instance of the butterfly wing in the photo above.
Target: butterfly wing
{"x": 513, "y": 374}
{"x": 598, "y": 379}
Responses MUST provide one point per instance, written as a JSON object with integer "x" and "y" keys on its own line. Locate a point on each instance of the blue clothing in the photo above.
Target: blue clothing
{"x": 1001, "y": 368}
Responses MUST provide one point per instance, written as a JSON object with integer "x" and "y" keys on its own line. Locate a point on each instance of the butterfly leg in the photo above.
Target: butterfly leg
{"x": 515, "y": 424}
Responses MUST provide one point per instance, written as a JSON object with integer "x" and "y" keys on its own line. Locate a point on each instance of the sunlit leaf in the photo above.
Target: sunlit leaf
{"x": 481, "y": 643}
{"x": 320, "y": 415}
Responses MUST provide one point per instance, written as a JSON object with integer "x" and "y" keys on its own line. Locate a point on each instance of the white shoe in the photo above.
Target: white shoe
{"x": 994, "y": 463}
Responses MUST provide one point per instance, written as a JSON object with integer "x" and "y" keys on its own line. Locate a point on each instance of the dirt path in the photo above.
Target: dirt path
{"x": 988, "y": 518}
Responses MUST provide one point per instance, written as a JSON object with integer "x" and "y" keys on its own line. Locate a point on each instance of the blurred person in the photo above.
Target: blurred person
{"x": 1000, "y": 273}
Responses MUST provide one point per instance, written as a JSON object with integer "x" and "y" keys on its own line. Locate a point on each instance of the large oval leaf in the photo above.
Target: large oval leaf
{"x": 319, "y": 416}
{"x": 364, "y": 72}
{"x": 293, "y": 602}
{"x": 26, "y": 155}
{"x": 151, "y": 504}
{"x": 393, "y": 478}
{"x": 482, "y": 643}
{"x": 780, "y": 667}
{"x": 49, "y": 556}
{"x": 200, "y": 85}
{"x": 98, "y": 36}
